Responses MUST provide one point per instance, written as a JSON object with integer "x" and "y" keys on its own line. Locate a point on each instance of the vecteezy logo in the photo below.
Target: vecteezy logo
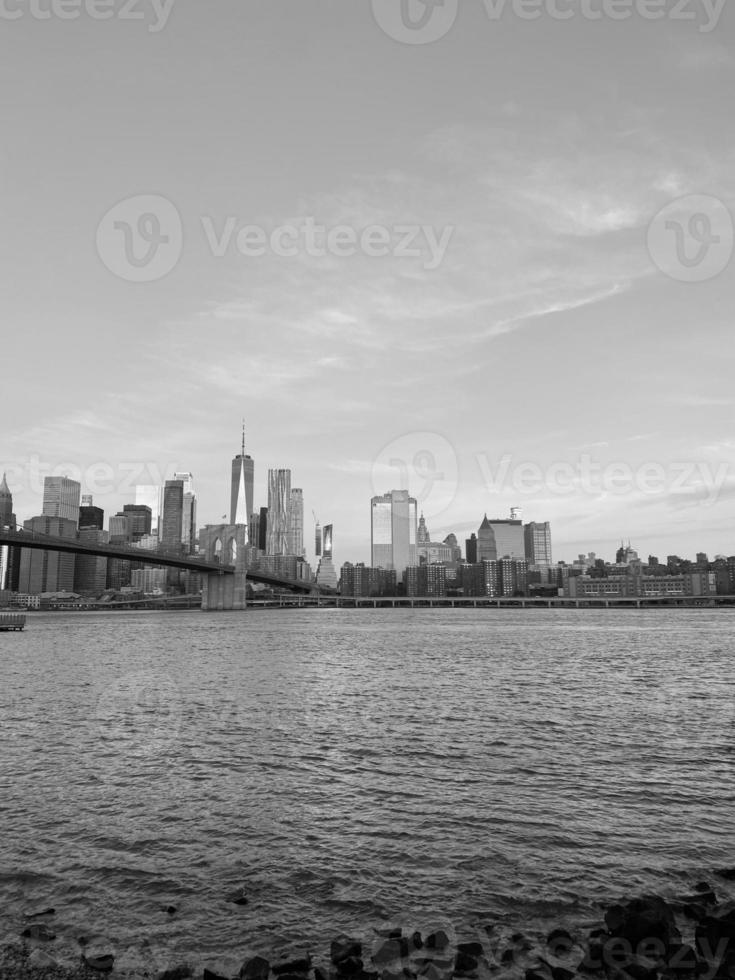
{"x": 141, "y": 239}
{"x": 692, "y": 238}
{"x": 425, "y": 464}
{"x": 415, "y": 21}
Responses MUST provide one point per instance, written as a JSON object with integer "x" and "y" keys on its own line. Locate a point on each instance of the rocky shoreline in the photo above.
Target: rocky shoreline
{"x": 647, "y": 938}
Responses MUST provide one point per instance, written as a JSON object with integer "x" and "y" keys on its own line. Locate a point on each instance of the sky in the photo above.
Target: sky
{"x": 480, "y": 250}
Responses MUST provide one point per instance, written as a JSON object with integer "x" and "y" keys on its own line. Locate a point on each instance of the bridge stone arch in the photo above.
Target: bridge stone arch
{"x": 224, "y": 544}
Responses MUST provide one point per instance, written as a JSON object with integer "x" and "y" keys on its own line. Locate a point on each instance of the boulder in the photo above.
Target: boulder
{"x": 343, "y": 947}
{"x": 715, "y": 942}
{"x": 38, "y": 931}
{"x": 471, "y": 948}
{"x": 391, "y": 949}
{"x": 437, "y": 940}
{"x": 41, "y": 961}
{"x": 182, "y": 972}
{"x": 237, "y": 897}
{"x": 464, "y": 963}
{"x": 642, "y": 919}
{"x": 300, "y": 964}
{"x": 350, "y": 966}
{"x": 41, "y": 914}
{"x": 211, "y": 975}
{"x": 102, "y": 963}
{"x": 256, "y": 968}
{"x": 727, "y": 873}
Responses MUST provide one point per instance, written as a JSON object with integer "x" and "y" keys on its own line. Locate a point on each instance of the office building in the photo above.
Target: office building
{"x": 90, "y": 571}
{"x": 151, "y": 496}
{"x": 91, "y": 516}
{"x": 295, "y": 543}
{"x": 263, "y": 529}
{"x": 48, "y": 571}
{"x": 471, "y": 549}
{"x": 173, "y": 514}
{"x": 61, "y": 498}
{"x": 279, "y": 500}
{"x": 500, "y": 539}
{"x": 9, "y": 556}
{"x": 140, "y": 520}
{"x": 326, "y": 574}
{"x": 188, "y": 512}
{"x": 241, "y": 486}
{"x": 119, "y": 525}
{"x": 537, "y": 540}
{"x": 393, "y": 523}
{"x": 318, "y": 540}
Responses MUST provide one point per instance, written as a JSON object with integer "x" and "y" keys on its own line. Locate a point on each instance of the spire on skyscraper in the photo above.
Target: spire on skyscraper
{"x": 4, "y": 488}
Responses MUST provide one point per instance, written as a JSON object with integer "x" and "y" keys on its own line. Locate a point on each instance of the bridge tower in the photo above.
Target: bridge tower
{"x": 225, "y": 544}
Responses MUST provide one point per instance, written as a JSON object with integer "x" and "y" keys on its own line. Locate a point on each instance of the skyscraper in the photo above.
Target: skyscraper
{"x": 318, "y": 540}
{"x": 173, "y": 513}
{"x": 296, "y": 523}
{"x": 61, "y": 498}
{"x": 188, "y": 511}
{"x": 279, "y": 500}
{"x": 9, "y": 557}
{"x": 500, "y": 539}
{"x": 150, "y": 496}
{"x": 241, "y": 489}
{"x": 140, "y": 519}
{"x": 538, "y": 543}
{"x": 393, "y": 531}
{"x": 7, "y": 517}
{"x": 89, "y": 515}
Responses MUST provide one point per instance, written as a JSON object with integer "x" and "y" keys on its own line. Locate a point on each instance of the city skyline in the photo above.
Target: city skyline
{"x": 547, "y": 331}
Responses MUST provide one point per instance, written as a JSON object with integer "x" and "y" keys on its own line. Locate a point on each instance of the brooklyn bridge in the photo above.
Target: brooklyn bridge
{"x": 221, "y": 565}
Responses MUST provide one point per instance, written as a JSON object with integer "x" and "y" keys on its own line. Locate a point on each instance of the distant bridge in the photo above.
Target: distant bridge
{"x": 159, "y": 557}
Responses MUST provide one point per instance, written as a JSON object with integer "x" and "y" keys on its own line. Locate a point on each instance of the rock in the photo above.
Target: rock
{"x": 40, "y": 932}
{"x": 238, "y": 897}
{"x": 170, "y": 910}
{"x": 391, "y": 949}
{"x": 351, "y": 966}
{"x": 471, "y": 948}
{"x": 464, "y": 963}
{"x": 681, "y": 960}
{"x": 343, "y": 947}
{"x": 391, "y": 933}
{"x": 41, "y": 961}
{"x": 256, "y": 968}
{"x": 437, "y": 940}
{"x": 728, "y": 873}
{"x": 211, "y": 975}
{"x": 561, "y": 973}
{"x": 694, "y": 910}
{"x": 535, "y": 975}
{"x": 103, "y": 963}
{"x": 416, "y": 942}
{"x": 714, "y": 939}
{"x": 594, "y": 958}
{"x": 559, "y": 942}
{"x": 38, "y": 915}
{"x": 301, "y": 964}
{"x": 430, "y": 971}
{"x": 177, "y": 973}
{"x": 703, "y": 886}
{"x": 319, "y": 974}
{"x": 642, "y": 919}
{"x": 507, "y": 956}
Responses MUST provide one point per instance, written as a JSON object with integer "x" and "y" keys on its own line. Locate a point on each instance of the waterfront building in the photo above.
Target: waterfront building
{"x": 61, "y": 498}
{"x": 279, "y": 499}
{"x": 295, "y": 531}
{"x": 426, "y": 580}
{"x": 241, "y": 485}
{"x": 48, "y": 571}
{"x": 367, "y": 581}
{"x": 326, "y": 574}
{"x": 173, "y": 513}
{"x": 119, "y": 528}
{"x": 393, "y": 522}
{"x": 149, "y": 580}
{"x": 537, "y": 541}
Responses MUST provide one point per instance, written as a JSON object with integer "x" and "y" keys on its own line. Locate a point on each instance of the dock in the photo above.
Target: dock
{"x": 12, "y": 622}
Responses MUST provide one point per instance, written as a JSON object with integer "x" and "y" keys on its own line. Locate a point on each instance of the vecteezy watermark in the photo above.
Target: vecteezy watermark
{"x": 141, "y": 239}
{"x": 319, "y": 241}
{"x": 138, "y": 10}
{"x": 696, "y": 479}
{"x": 425, "y": 464}
{"x": 425, "y": 21}
{"x": 692, "y": 239}
{"x": 415, "y": 21}
{"x": 98, "y": 478}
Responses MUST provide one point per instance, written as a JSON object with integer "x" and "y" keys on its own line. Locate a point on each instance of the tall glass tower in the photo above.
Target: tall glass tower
{"x": 393, "y": 531}
{"x": 279, "y": 504}
{"x": 241, "y": 487}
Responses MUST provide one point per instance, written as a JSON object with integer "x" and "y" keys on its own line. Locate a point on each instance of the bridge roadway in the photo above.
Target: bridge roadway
{"x": 160, "y": 557}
